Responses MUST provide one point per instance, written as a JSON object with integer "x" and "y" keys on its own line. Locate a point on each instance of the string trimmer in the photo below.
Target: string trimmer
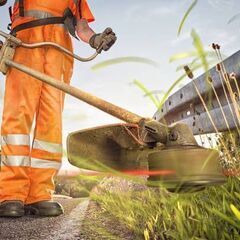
{"x": 141, "y": 146}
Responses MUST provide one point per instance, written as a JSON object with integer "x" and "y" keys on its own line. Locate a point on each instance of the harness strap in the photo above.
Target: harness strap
{"x": 37, "y": 23}
{"x": 68, "y": 19}
{"x": 10, "y": 12}
{"x": 80, "y": 8}
{"x": 21, "y": 8}
{"x": 10, "y": 15}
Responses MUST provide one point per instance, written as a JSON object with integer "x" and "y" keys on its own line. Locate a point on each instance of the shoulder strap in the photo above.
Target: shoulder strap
{"x": 21, "y": 8}
{"x": 10, "y": 13}
{"x": 80, "y": 8}
{"x": 70, "y": 21}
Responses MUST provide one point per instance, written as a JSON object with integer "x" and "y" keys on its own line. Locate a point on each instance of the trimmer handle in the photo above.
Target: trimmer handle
{"x": 18, "y": 43}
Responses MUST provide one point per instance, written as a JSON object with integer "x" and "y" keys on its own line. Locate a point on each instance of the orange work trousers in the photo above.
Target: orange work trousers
{"x": 28, "y": 167}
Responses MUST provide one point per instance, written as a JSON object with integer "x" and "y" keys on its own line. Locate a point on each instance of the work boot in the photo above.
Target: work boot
{"x": 44, "y": 209}
{"x": 11, "y": 209}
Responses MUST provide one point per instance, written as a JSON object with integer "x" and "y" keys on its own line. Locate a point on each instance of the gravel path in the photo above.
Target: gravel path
{"x": 101, "y": 225}
{"x": 65, "y": 227}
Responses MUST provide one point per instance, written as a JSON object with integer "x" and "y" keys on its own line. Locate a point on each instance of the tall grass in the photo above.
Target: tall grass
{"x": 157, "y": 214}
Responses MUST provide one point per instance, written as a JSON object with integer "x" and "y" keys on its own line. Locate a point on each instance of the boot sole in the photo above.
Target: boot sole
{"x": 12, "y": 214}
{"x": 42, "y": 213}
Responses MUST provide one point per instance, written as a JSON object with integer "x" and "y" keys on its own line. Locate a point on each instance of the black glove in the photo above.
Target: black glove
{"x": 3, "y": 2}
{"x": 103, "y": 41}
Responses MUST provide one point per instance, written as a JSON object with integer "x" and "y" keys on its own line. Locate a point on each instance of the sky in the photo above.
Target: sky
{"x": 145, "y": 29}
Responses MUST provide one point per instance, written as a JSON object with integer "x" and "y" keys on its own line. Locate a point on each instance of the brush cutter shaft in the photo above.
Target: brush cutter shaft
{"x": 103, "y": 105}
{"x": 151, "y": 130}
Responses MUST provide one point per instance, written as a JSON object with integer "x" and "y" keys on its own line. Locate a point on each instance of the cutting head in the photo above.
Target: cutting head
{"x": 180, "y": 165}
{"x": 194, "y": 168}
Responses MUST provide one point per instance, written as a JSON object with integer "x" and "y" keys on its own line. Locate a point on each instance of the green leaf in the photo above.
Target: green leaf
{"x": 194, "y": 3}
{"x": 235, "y": 211}
{"x": 121, "y": 60}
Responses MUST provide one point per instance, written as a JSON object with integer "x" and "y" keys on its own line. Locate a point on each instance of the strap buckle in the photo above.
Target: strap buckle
{"x": 70, "y": 21}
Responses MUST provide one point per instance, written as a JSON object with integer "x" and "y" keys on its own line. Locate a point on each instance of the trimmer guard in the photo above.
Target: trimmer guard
{"x": 109, "y": 147}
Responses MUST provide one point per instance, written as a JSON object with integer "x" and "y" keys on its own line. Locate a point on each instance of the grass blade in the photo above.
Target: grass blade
{"x": 200, "y": 49}
{"x": 184, "y": 55}
{"x": 194, "y": 3}
{"x": 120, "y": 60}
{"x": 147, "y": 92}
{"x": 234, "y": 18}
{"x": 225, "y": 218}
{"x": 235, "y": 211}
{"x": 178, "y": 81}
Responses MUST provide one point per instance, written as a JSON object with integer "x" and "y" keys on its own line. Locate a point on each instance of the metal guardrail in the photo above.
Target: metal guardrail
{"x": 186, "y": 105}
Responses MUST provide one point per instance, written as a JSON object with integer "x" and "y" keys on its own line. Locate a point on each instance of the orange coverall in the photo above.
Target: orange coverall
{"x": 27, "y": 171}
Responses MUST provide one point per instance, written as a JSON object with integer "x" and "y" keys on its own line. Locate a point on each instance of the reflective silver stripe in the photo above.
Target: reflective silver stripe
{"x": 45, "y": 164}
{"x": 47, "y": 146}
{"x": 15, "y": 161}
{"x": 15, "y": 139}
{"x": 39, "y": 14}
{"x": 75, "y": 1}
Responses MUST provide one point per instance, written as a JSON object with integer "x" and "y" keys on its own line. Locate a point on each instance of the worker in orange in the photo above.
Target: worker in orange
{"x": 28, "y": 167}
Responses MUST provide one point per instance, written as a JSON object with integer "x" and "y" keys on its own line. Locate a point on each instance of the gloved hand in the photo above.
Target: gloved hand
{"x": 3, "y": 2}
{"x": 103, "y": 41}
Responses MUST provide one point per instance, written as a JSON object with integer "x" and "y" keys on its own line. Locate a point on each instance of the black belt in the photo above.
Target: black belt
{"x": 68, "y": 20}
{"x": 37, "y": 23}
